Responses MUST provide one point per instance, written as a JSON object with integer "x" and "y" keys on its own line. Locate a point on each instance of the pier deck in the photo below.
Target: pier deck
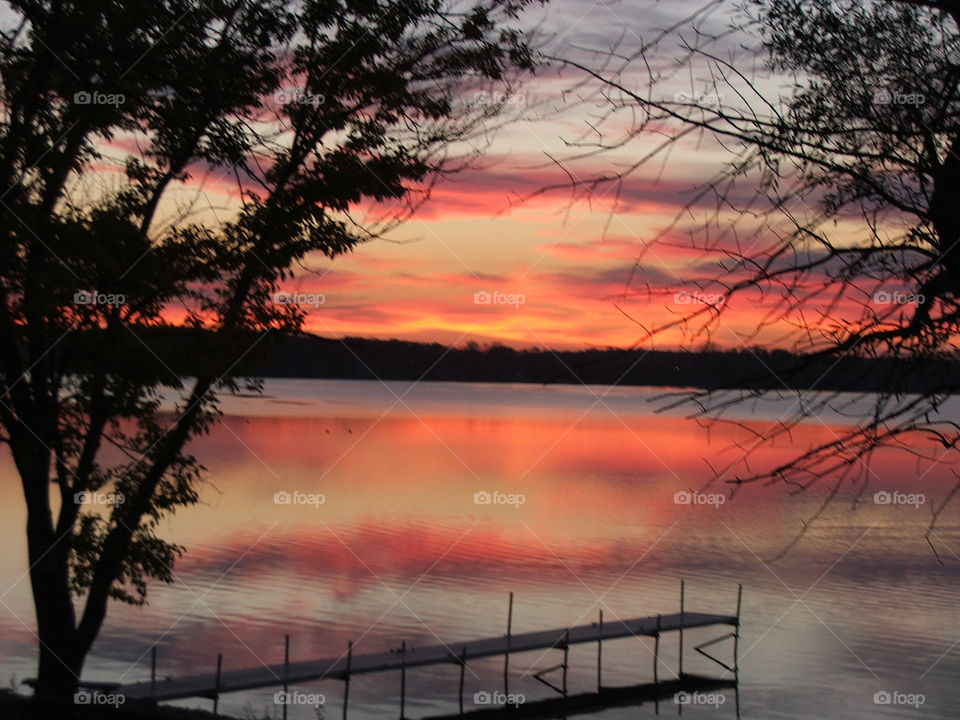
{"x": 342, "y": 667}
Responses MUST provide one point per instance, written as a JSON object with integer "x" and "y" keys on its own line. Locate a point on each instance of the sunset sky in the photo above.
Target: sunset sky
{"x": 473, "y": 237}
{"x": 552, "y": 265}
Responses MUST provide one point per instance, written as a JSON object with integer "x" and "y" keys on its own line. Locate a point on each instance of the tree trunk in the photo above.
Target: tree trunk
{"x": 61, "y": 656}
{"x": 58, "y": 672}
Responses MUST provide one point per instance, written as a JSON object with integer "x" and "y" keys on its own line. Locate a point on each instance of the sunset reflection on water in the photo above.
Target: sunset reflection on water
{"x": 393, "y": 547}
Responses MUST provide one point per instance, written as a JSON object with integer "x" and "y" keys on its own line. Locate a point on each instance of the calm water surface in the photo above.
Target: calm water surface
{"x": 399, "y": 551}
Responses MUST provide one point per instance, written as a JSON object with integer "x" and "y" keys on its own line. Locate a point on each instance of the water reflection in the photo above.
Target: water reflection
{"x": 399, "y": 550}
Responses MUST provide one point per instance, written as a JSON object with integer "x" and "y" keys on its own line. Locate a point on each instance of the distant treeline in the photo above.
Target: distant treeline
{"x": 360, "y": 358}
{"x": 159, "y": 352}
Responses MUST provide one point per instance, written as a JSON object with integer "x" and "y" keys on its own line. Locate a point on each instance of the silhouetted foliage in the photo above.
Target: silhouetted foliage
{"x": 167, "y": 163}
{"x": 837, "y": 215}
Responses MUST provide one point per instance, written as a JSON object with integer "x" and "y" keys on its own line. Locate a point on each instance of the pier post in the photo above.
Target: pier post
{"x": 153, "y": 673}
{"x": 566, "y": 657}
{"x": 286, "y": 671}
{"x": 346, "y": 685}
{"x": 736, "y": 635}
{"x": 506, "y": 655}
{"x": 656, "y": 666}
{"x": 216, "y": 687}
{"x": 403, "y": 678}
{"x": 682, "y": 620}
{"x": 600, "y": 653}
{"x": 463, "y": 669}
{"x": 656, "y": 654}
{"x": 736, "y": 652}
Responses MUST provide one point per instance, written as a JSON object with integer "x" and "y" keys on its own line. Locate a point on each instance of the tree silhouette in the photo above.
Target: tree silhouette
{"x": 325, "y": 122}
{"x": 838, "y": 212}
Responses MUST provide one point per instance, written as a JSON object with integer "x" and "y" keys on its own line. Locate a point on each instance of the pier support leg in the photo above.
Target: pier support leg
{"x": 656, "y": 654}
{"x": 346, "y": 680}
{"x": 736, "y": 635}
{"x": 463, "y": 670}
{"x": 682, "y": 621}
{"x": 736, "y": 652}
{"x": 216, "y": 687}
{"x": 656, "y": 665}
{"x": 566, "y": 658}
{"x": 600, "y": 653}
{"x": 506, "y": 656}
{"x": 286, "y": 671}
{"x": 403, "y": 679}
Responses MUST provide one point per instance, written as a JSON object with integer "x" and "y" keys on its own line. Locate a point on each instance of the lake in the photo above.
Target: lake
{"x": 349, "y": 510}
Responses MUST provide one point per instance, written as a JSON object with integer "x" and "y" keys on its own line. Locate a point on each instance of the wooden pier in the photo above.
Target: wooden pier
{"x": 406, "y": 657}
